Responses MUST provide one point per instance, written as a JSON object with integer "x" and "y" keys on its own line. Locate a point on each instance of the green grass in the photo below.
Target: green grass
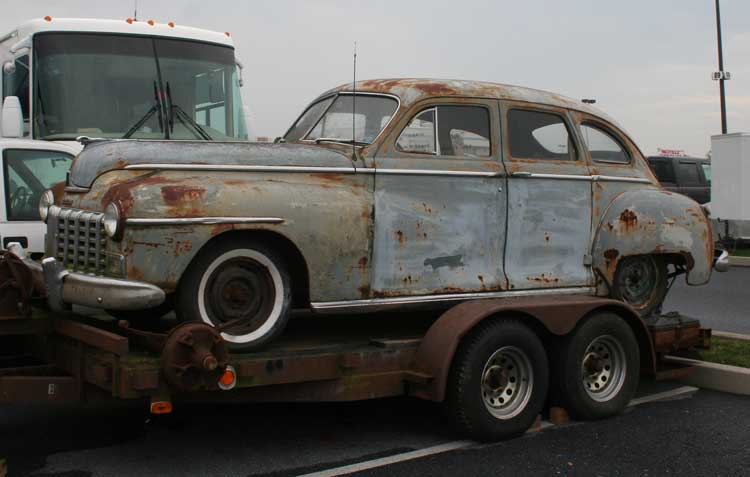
{"x": 741, "y": 252}
{"x": 728, "y": 351}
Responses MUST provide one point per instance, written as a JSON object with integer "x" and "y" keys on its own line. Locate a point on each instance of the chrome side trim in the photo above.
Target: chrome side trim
{"x": 427, "y": 172}
{"x": 350, "y": 305}
{"x": 237, "y": 168}
{"x": 638, "y": 180}
{"x": 204, "y": 220}
{"x": 577, "y": 177}
{"x": 76, "y": 189}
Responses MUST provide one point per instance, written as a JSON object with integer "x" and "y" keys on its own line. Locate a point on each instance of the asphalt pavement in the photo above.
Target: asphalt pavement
{"x": 704, "y": 435}
{"x": 723, "y": 304}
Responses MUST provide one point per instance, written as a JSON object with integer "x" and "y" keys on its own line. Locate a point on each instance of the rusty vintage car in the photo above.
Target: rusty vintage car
{"x": 392, "y": 193}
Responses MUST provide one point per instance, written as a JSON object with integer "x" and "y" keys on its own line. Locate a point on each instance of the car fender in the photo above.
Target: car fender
{"x": 654, "y": 222}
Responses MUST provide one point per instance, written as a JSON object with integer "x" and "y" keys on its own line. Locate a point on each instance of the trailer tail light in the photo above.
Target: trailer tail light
{"x": 229, "y": 379}
{"x": 161, "y": 407}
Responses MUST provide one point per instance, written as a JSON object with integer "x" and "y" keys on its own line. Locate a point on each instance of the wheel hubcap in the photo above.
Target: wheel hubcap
{"x": 638, "y": 280}
{"x": 603, "y": 368}
{"x": 243, "y": 289}
{"x": 507, "y": 381}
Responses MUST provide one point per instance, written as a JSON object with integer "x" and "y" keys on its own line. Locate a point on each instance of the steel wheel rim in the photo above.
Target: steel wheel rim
{"x": 603, "y": 368}
{"x": 507, "y": 382}
{"x": 638, "y": 280}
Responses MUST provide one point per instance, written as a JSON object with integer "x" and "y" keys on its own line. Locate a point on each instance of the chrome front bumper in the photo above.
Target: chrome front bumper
{"x": 65, "y": 288}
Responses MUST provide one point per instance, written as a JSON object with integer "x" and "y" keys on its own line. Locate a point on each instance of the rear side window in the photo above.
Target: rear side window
{"x": 538, "y": 135}
{"x": 689, "y": 173}
{"x": 662, "y": 170}
{"x": 603, "y": 146}
{"x": 462, "y": 131}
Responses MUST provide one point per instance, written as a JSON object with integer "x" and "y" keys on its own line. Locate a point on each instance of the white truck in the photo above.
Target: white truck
{"x": 63, "y": 78}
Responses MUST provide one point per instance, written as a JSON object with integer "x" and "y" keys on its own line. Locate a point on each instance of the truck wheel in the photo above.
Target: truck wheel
{"x": 598, "y": 367}
{"x": 237, "y": 279}
{"x": 498, "y": 381}
{"x": 641, "y": 282}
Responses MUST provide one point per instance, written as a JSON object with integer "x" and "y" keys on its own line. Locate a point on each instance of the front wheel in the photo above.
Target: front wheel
{"x": 240, "y": 281}
{"x": 597, "y": 367}
{"x": 641, "y": 282}
{"x": 498, "y": 381}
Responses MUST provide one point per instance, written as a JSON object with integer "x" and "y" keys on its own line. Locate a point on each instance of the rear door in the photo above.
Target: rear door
{"x": 549, "y": 199}
{"x": 440, "y": 202}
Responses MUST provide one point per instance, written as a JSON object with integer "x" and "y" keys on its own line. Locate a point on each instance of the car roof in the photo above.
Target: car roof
{"x": 412, "y": 90}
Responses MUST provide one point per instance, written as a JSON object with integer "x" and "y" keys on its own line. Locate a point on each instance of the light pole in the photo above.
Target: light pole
{"x": 721, "y": 75}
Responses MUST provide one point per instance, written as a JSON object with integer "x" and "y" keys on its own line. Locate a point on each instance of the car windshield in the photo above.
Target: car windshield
{"x": 115, "y": 86}
{"x": 344, "y": 118}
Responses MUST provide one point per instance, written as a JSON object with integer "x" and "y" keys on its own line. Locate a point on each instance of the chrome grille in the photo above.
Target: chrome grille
{"x": 80, "y": 241}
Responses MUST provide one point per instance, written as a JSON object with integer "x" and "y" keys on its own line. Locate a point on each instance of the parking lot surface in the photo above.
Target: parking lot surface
{"x": 704, "y": 434}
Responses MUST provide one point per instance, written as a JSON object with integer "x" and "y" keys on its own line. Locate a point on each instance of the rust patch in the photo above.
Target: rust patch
{"x": 364, "y": 291}
{"x": 220, "y": 229}
{"x": 401, "y": 238}
{"x": 182, "y": 247}
{"x": 363, "y": 262}
{"x": 122, "y": 193}
{"x": 176, "y": 195}
{"x": 629, "y": 219}
{"x": 543, "y": 279}
{"x": 611, "y": 254}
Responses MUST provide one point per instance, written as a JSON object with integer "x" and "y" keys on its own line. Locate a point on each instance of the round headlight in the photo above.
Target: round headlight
{"x": 112, "y": 222}
{"x": 45, "y": 202}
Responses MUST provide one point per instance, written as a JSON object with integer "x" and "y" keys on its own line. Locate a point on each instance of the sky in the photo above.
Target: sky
{"x": 648, "y": 63}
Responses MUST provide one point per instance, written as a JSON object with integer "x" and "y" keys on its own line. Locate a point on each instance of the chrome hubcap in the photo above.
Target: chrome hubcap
{"x": 507, "y": 381}
{"x": 603, "y": 368}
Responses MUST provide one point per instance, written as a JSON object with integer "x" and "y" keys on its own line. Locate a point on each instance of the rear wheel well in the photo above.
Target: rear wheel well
{"x": 295, "y": 261}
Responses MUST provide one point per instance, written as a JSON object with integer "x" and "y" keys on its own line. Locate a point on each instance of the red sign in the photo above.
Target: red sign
{"x": 671, "y": 152}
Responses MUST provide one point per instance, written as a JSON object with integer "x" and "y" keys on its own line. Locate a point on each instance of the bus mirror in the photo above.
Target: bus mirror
{"x": 12, "y": 117}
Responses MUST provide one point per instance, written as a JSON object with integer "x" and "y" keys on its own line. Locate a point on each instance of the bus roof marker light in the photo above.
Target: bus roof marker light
{"x": 48, "y": 18}
{"x": 171, "y": 24}
{"x": 150, "y": 22}
{"x": 227, "y": 33}
{"x": 129, "y": 20}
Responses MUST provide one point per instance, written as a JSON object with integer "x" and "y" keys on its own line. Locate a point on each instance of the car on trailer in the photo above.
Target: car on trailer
{"x": 390, "y": 194}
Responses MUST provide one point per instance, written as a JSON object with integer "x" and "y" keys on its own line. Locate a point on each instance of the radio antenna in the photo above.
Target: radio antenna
{"x": 135, "y": 11}
{"x": 354, "y": 103}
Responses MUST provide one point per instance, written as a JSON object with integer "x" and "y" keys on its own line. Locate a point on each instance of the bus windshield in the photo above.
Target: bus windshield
{"x": 120, "y": 86}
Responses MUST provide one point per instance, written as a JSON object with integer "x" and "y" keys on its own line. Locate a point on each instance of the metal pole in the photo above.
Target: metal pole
{"x": 721, "y": 68}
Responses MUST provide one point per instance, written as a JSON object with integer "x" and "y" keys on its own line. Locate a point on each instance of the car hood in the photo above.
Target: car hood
{"x": 100, "y": 157}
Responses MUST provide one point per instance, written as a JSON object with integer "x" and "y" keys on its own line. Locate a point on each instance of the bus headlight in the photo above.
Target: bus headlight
{"x": 45, "y": 202}
{"x": 112, "y": 221}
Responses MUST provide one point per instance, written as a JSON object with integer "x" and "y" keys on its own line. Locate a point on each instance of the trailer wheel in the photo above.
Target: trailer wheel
{"x": 641, "y": 282}
{"x": 598, "y": 367}
{"x": 498, "y": 381}
{"x": 237, "y": 280}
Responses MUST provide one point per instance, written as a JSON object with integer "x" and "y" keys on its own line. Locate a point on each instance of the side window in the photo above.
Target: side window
{"x": 603, "y": 146}
{"x": 689, "y": 173}
{"x": 17, "y": 84}
{"x": 707, "y": 172}
{"x": 462, "y": 131}
{"x": 663, "y": 170}
{"x": 538, "y": 135}
{"x": 28, "y": 173}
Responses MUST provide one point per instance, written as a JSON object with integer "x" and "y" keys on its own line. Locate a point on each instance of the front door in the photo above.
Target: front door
{"x": 549, "y": 200}
{"x": 440, "y": 202}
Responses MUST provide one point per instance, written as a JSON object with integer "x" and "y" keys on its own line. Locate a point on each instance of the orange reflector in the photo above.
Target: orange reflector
{"x": 227, "y": 33}
{"x": 161, "y": 407}
{"x": 150, "y": 22}
{"x": 129, "y": 20}
{"x": 171, "y": 24}
{"x": 228, "y": 380}
{"x": 48, "y": 18}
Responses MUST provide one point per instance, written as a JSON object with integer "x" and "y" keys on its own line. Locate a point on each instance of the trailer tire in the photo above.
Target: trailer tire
{"x": 237, "y": 278}
{"x": 597, "y": 367}
{"x": 498, "y": 380}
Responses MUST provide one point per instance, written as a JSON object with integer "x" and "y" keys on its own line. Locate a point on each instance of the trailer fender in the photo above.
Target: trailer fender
{"x": 559, "y": 315}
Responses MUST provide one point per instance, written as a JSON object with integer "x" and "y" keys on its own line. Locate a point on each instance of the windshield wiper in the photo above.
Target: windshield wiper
{"x": 156, "y": 107}
{"x": 184, "y": 117}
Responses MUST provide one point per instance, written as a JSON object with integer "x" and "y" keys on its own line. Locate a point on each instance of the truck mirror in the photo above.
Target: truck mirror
{"x": 12, "y": 117}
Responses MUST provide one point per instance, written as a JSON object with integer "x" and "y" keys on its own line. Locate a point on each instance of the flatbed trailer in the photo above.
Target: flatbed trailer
{"x": 89, "y": 356}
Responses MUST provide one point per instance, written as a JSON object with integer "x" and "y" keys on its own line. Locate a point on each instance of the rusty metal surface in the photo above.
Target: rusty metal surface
{"x": 382, "y": 224}
{"x": 92, "y": 336}
{"x": 28, "y": 389}
{"x": 194, "y": 357}
{"x": 16, "y": 287}
{"x": 558, "y": 315}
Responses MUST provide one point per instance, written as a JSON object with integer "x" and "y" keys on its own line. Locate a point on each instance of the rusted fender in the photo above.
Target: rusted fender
{"x": 652, "y": 221}
{"x": 559, "y": 315}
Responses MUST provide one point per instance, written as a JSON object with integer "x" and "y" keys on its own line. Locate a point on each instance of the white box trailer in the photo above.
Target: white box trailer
{"x": 730, "y": 185}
